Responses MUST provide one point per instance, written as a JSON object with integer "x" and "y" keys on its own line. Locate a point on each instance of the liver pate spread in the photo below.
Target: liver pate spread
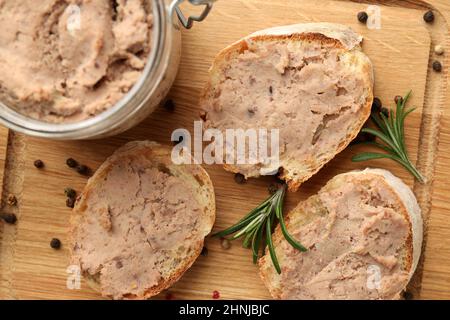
{"x": 68, "y": 60}
{"x": 356, "y": 235}
{"x": 136, "y": 227}
{"x": 305, "y": 89}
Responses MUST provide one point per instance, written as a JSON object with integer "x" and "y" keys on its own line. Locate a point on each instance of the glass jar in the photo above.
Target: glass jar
{"x": 144, "y": 97}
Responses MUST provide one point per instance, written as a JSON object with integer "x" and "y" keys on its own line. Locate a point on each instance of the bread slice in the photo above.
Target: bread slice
{"x": 364, "y": 232}
{"x": 310, "y": 81}
{"x": 141, "y": 221}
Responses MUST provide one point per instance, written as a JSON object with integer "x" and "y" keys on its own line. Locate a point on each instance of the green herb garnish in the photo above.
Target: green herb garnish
{"x": 391, "y": 132}
{"x": 257, "y": 226}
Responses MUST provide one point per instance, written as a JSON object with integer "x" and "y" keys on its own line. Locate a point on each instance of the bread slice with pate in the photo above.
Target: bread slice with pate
{"x": 363, "y": 231}
{"x": 310, "y": 81}
{"x": 141, "y": 221}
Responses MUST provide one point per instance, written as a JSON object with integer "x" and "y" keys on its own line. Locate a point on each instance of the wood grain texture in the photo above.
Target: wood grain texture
{"x": 3, "y": 150}
{"x": 400, "y": 51}
{"x": 436, "y": 271}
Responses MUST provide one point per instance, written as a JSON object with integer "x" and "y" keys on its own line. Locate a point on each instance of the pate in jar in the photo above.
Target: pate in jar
{"x": 78, "y": 69}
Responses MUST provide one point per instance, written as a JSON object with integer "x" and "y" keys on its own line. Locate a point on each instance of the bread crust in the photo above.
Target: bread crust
{"x": 161, "y": 155}
{"x": 336, "y": 36}
{"x": 410, "y": 210}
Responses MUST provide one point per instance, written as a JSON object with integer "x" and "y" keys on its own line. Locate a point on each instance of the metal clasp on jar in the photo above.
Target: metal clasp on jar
{"x": 189, "y": 21}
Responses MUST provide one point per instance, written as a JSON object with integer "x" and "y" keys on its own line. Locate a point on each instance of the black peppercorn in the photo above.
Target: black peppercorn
{"x": 169, "y": 105}
{"x": 204, "y": 252}
{"x": 273, "y": 187}
{"x": 71, "y": 163}
{"x": 376, "y": 105}
{"x": 398, "y": 99}
{"x": 70, "y": 202}
{"x": 407, "y": 295}
{"x": 363, "y": 137}
{"x": 9, "y": 218}
{"x": 70, "y": 193}
{"x": 239, "y": 178}
{"x": 363, "y": 16}
{"x": 82, "y": 169}
{"x": 39, "y": 164}
{"x": 55, "y": 243}
{"x": 369, "y": 137}
{"x": 437, "y": 66}
{"x": 428, "y": 16}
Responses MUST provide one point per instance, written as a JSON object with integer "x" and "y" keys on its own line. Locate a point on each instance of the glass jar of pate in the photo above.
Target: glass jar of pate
{"x": 141, "y": 100}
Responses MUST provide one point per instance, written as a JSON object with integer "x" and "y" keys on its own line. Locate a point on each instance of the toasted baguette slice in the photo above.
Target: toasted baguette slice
{"x": 310, "y": 81}
{"x": 141, "y": 221}
{"x": 364, "y": 233}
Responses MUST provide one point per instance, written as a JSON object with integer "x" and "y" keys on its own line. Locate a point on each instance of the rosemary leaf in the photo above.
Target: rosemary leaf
{"x": 399, "y": 112}
{"x": 256, "y": 242}
{"x": 248, "y": 238}
{"x": 378, "y": 145}
{"x": 391, "y": 132}
{"x": 403, "y": 117}
{"x": 390, "y": 129}
{"x": 377, "y": 120}
{"x": 273, "y": 254}
{"x": 249, "y": 227}
{"x": 256, "y": 228}
{"x": 365, "y": 156}
{"x": 287, "y": 236}
{"x": 242, "y": 223}
{"x": 383, "y": 137}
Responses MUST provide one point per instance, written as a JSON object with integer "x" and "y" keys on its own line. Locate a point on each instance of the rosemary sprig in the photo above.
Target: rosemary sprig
{"x": 257, "y": 226}
{"x": 391, "y": 132}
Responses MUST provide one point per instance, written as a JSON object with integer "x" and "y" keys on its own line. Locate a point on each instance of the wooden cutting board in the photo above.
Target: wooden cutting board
{"x": 400, "y": 51}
